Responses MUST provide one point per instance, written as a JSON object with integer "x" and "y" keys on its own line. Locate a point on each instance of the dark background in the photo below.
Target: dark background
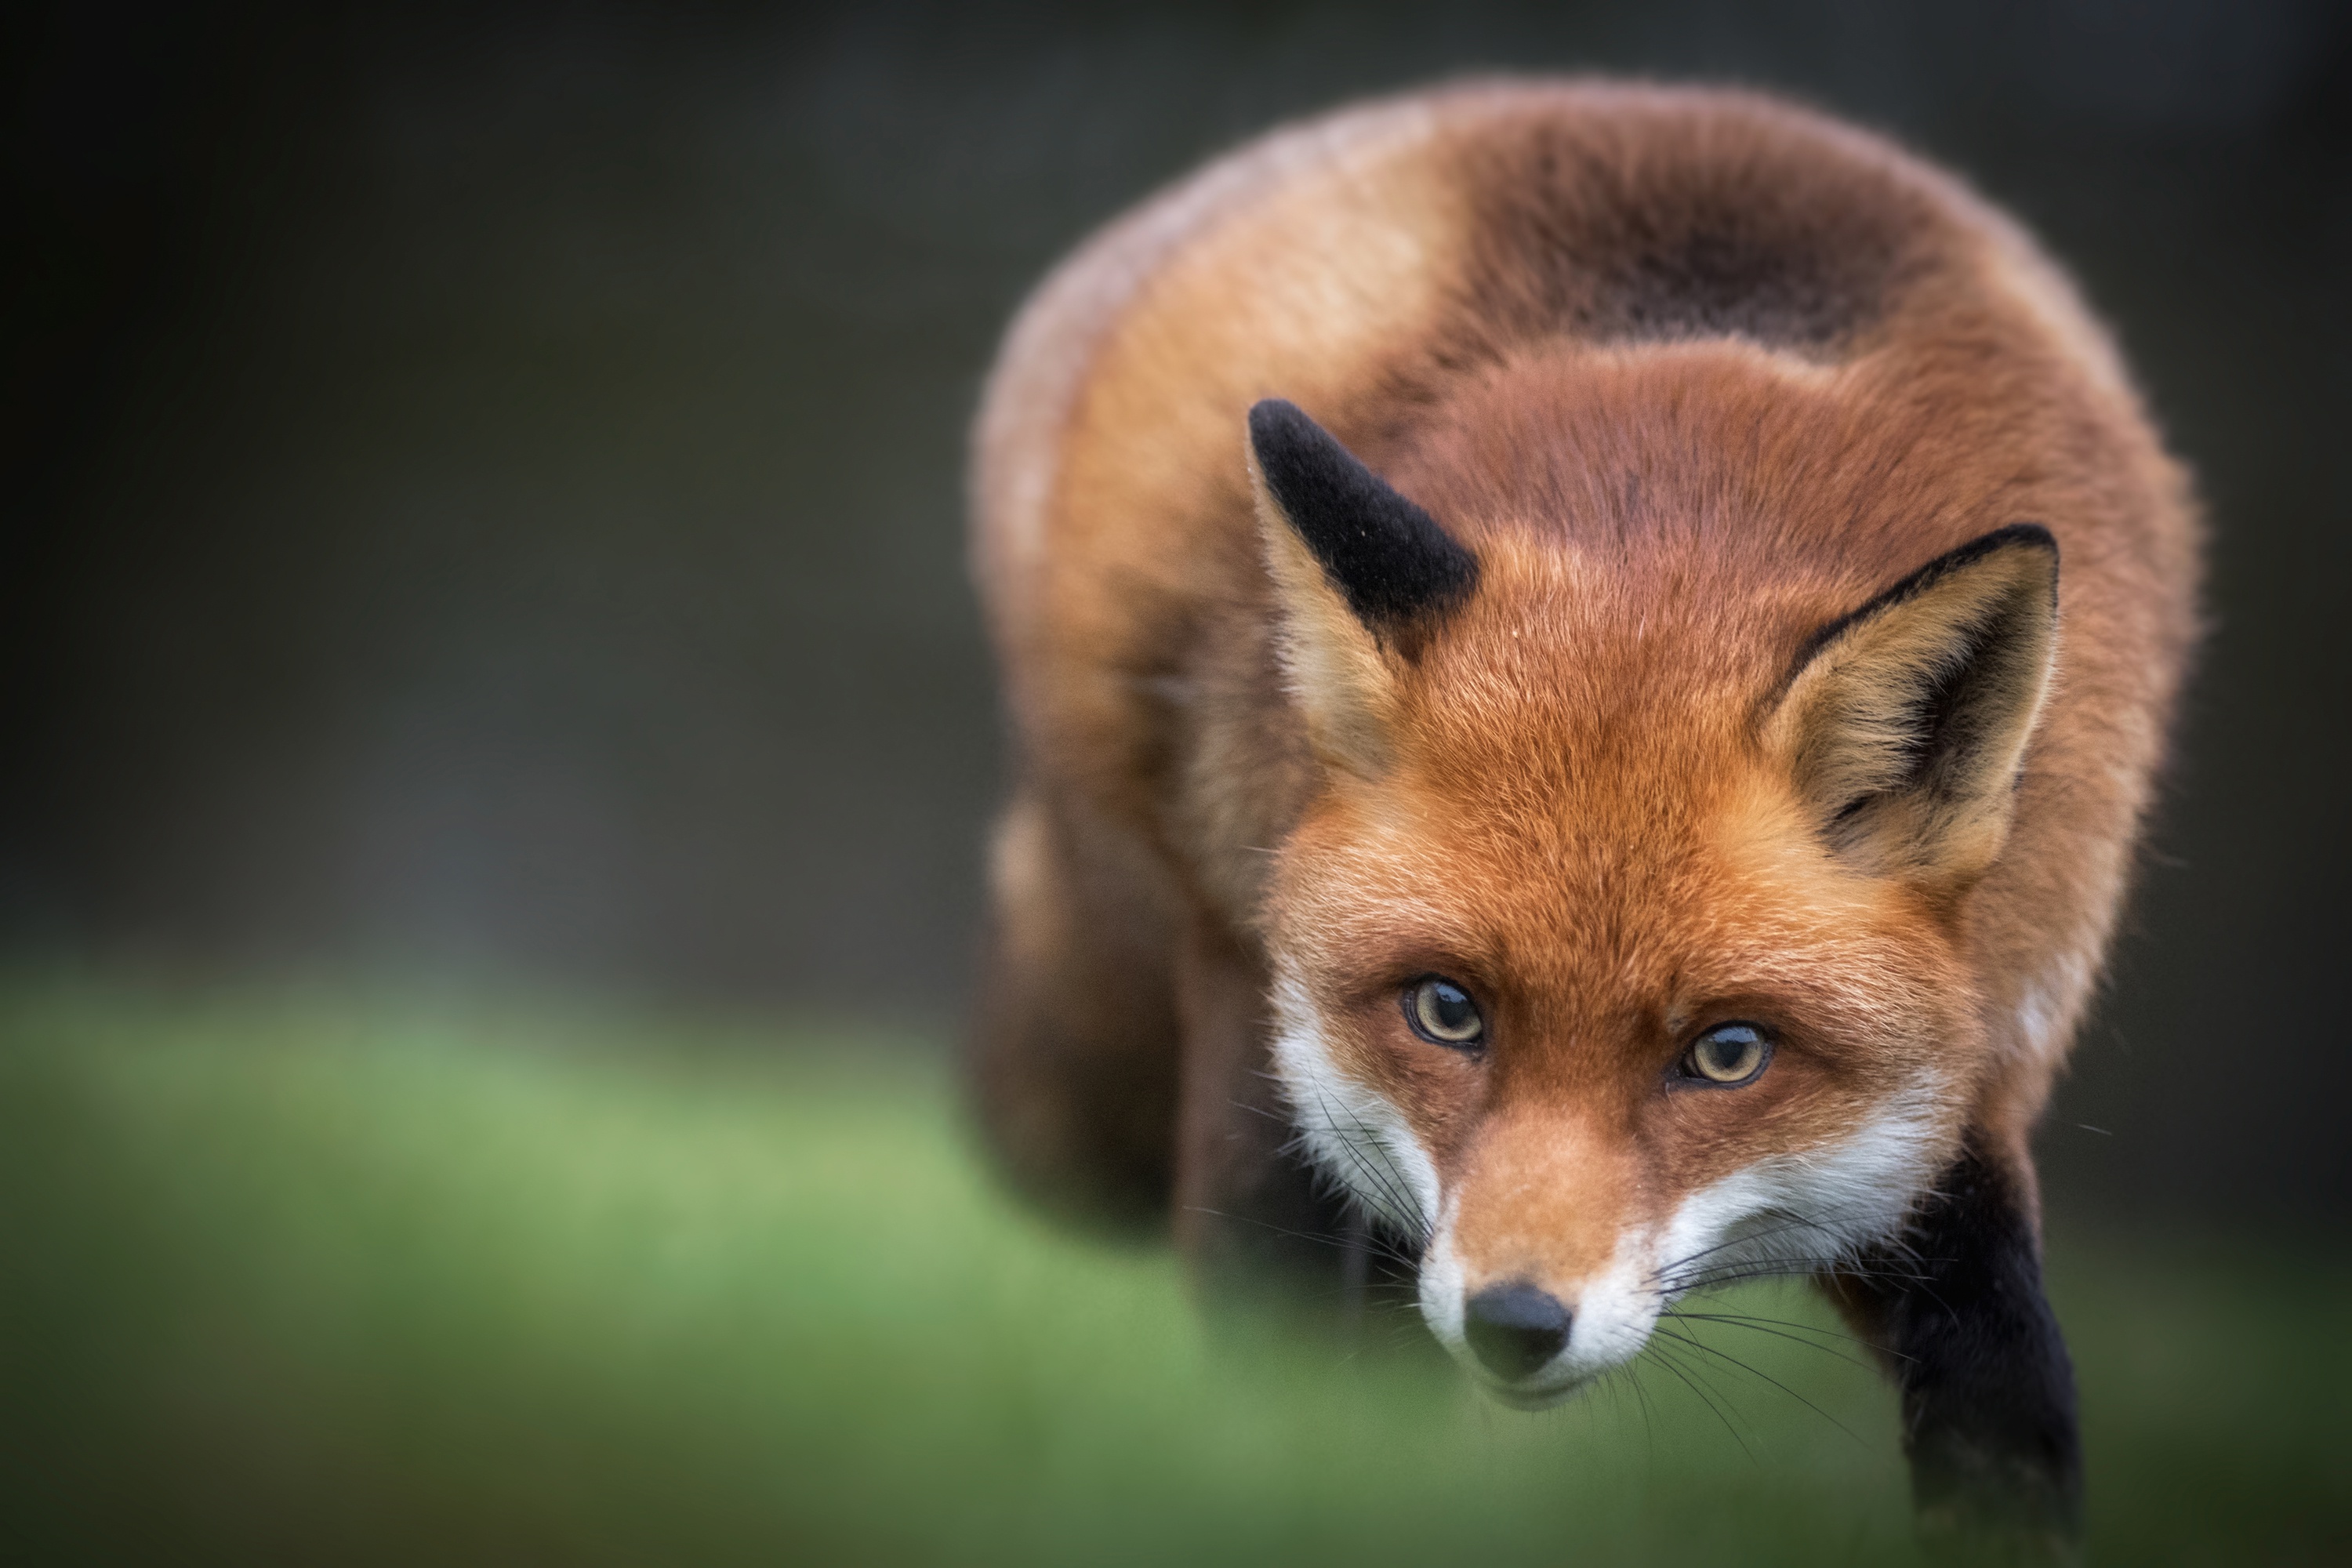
{"x": 482, "y": 490}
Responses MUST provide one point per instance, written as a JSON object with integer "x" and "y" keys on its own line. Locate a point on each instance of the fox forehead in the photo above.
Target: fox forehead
{"x": 1564, "y": 751}
{"x": 1606, "y": 921}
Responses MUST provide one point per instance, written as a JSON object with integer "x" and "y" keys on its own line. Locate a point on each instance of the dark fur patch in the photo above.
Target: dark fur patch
{"x": 1658, "y": 223}
{"x": 1987, "y": 1389}
{"x": 1386, "y": 556}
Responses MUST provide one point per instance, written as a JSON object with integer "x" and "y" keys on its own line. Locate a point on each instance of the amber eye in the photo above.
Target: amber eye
{"x": 1729, "y": 1054}
{"x": 1442, "y": 1013}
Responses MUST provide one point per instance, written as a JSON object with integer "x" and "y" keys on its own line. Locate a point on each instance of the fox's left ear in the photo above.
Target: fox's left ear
{"x": 1904, "y": 723}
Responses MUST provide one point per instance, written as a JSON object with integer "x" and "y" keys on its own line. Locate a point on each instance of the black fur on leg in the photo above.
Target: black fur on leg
{"x": 1988, "y": 1390}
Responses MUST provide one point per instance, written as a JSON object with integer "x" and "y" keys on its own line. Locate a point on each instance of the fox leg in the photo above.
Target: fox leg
{"x": 1072, "y": 1060}
{"x": 1988, "y": 1390}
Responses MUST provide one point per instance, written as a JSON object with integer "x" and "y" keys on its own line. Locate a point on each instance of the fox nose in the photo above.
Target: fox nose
{"x": 1515, "y": 1329}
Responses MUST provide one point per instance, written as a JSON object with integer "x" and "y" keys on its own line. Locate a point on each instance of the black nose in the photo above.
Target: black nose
{"x": 1515, "y": 1329}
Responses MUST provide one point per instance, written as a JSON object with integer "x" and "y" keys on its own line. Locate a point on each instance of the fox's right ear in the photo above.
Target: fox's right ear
{"x": 1361, "y": 574}
{"x": 1904, "y": 723}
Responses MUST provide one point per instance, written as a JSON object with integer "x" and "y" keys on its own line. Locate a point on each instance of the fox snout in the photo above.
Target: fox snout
{"x": 1540, "y": 1275}
{"x": 1533, "y": 1336}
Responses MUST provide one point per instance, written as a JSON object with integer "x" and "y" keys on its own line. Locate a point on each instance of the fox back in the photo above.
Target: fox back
{"x": 1611, "y": 643}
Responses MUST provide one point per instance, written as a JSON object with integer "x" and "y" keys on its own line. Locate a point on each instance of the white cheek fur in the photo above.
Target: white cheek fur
{"x": 1354, "y": 1133}
{"x": 1442, "y": 1291}
{"x": 1809, "y": 1209}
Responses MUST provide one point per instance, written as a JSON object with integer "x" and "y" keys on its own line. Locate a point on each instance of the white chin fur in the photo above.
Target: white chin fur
{"x": 1788, "y": 1212}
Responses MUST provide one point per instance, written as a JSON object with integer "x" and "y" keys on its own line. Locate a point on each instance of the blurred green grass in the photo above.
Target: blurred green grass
{"x": 313, "y": 1278}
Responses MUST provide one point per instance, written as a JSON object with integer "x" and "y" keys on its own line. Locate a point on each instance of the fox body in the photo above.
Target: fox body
{"x": 1545, "y": 697}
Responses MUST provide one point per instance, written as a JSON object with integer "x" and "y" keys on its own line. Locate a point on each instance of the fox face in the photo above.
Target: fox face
{"x": 1622, "y": 950}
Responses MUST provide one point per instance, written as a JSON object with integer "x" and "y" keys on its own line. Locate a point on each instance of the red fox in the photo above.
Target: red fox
{"x": 1545, "y": 699}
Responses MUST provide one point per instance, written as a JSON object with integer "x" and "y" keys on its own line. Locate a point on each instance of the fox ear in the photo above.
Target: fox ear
{"x": 1904, "y": 723}
{"x": 1361, "y": 574}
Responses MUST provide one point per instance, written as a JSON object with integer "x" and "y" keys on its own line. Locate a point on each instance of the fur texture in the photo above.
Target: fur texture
{"x": 1631, "y": 620}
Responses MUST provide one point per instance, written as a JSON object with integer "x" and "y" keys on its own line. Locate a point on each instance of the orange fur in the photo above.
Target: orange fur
{"x": 1595, "y": 794}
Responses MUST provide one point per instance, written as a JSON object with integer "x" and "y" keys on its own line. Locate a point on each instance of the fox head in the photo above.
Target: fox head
{"x": 1620, "y": 949}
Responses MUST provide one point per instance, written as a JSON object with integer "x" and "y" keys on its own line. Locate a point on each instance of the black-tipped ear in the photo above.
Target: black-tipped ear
{"x": 1387, "y": 558}
{"x": 1905, "y": 723}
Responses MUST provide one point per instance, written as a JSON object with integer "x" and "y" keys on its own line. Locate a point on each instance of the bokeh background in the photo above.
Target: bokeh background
{"x": 482, "y": 504}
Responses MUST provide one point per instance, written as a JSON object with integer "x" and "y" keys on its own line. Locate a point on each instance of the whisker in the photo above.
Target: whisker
{"x": 1379, "y": 1171}
{"x": 1659, "y": 1353}
{"x": 1337, "y": 1241}
{"x": 1792, "y": 1223}
{"x": 1774, "y": 1269}
{"x": 1697, "y": 1344}
{"x": 1383, "y": 1173}
{"x": 1642, "y": 1398}
{"x": 1759, "y": 1325}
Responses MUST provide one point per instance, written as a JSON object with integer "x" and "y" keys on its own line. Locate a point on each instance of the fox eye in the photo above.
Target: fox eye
{"x": 1729, "y": 1054}
{"x": 1442, "y": 1013}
